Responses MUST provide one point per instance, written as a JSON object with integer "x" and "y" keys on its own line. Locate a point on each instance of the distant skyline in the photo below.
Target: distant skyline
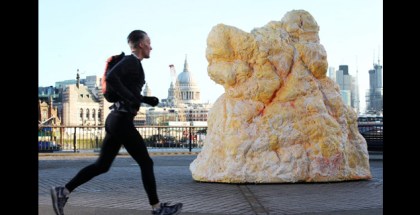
{"x": 83, "y": 34}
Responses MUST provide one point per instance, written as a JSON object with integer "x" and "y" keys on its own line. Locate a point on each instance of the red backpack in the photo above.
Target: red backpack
{"x": 108, "y": 93}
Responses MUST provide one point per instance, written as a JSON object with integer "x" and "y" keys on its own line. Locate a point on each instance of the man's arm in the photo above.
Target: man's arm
{"x": 151, "y": 100}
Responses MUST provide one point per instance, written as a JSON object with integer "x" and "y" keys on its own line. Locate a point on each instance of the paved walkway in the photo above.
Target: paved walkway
{"x": 120, "y": 190}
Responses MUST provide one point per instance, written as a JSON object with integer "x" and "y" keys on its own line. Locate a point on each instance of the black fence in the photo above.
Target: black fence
{"x": 88, "y": 138}
{"x": 374, "y": 135}
{"x": 181, "y": 138}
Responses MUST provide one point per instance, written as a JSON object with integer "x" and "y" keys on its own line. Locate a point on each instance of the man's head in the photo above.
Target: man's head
{"x": 139, "y": 43}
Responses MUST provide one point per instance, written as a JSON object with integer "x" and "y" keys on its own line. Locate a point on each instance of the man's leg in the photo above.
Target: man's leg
{"x": 135, "y": 146}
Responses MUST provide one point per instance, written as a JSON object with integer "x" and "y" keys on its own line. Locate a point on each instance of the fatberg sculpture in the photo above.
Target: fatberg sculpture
{"x": 280, "y": 119}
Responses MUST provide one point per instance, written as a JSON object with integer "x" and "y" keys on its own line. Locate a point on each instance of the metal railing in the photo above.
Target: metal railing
{"x": 88, "y": 138}
{"x": 374, "y": 135}
{"x": 182, "y": 138}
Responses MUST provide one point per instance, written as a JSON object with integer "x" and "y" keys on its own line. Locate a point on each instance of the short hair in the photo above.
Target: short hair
{"x": 135, "y": 37}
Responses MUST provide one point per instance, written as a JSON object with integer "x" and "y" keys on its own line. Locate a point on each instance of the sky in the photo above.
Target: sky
{"x": 82, "y": 34}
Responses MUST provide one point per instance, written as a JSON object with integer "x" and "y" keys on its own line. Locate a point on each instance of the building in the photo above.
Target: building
{"x": 49, "y": 106}
{"x": 185, "y": 90}
{"x": 346, "y": 97}
{"x": 354, "y": 94}
{"x": 182, "y": 104}
{"x": 332, "y": 73}
{"x": 344, "y": 80}
{"x": 80, "y": 102}
{"x": 374, "y": 95}
{"x": 349, "y": 87}
{"x": 344, "y": 68}
{"x": 48, "y": 113}
{"x": 80, "y": 105}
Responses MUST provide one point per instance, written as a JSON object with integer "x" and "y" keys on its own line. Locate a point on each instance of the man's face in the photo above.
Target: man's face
{"x": 146, "y": 47}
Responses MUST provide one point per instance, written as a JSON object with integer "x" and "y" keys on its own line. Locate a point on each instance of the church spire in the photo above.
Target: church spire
{"x": 77, "y": 79}
{"x": 186, "y": 67}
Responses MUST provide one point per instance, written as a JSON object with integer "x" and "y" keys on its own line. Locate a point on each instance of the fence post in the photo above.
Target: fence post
{"x": 74, "y": 140}
{"x": 62, "y": 136}
{"x": 190, "y": 135}
{"x": 96, "y": 140}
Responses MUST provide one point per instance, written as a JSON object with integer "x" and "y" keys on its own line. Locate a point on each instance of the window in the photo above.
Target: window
{"x": 81, "y": 113}
{"x": 44, "y": 114}
{"x": 99, "y": 114}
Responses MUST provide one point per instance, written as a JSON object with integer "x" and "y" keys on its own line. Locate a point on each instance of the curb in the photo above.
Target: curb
{"x": 374, "y": 156}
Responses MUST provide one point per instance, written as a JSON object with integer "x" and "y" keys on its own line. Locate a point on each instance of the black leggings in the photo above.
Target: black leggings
{"x": 120, "y": 130}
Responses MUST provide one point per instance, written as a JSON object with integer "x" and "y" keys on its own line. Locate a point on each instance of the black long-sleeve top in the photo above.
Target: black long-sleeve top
{"x": 126, "y": 78}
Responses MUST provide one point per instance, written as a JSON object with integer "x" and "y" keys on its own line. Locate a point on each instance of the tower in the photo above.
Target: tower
{"x": 374, "y": 97}
{"x": 176, "y": 97}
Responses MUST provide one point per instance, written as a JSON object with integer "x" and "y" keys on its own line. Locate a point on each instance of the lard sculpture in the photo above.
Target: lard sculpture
{"x": 281, "y": 119}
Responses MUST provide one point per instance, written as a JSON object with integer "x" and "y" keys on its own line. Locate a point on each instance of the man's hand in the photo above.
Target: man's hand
{"x": 151, "y": 100}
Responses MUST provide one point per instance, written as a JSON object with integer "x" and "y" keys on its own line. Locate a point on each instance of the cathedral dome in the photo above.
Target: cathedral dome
{"x": 186, "y": 78}
{"x": 185, "y": 90}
